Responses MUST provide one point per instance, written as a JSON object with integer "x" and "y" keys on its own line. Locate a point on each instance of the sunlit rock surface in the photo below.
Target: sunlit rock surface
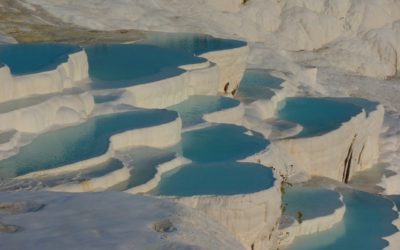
{"x": 49, "y": 220}
{"x": 53, "y": 69}
{"x": 350, "y": 145}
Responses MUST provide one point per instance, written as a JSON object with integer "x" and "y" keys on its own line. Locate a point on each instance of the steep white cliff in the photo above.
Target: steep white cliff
{"x": 66, "y": 75}
{"x": 337, "y": 154}
{"x": 57, "y": 110}
{"x": 252, "y": 218}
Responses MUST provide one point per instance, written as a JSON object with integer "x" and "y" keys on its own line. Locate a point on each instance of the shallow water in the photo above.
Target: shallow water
{"x": 193, "y": 43}
{"x": 368, "y": 218}
{"x": 227, "y": 178}
{"x": 123, "y": 65}
{"x": 317, "y": 116}
{"x": 143, "y": 162}
{"x": 365, "y": 104}
{"x": 311, "y": 202}
{"x": 22, "y": 103}
{"x": 258, "y": 84}
{"x": 94, "y": 172}
{"x": 80, "y": 142}
{"x": 221, "y": 142}
{"x": 105, "y": 98}
{"x": 192, "y": 110}
{"x": 396, "y": 200}
{"x": 25, "y": 59}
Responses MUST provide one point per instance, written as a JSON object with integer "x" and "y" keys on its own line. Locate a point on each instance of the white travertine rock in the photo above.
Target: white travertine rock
{"x": 304, "y": 29}
{"x": 161, "y": 169}
{"x": 354, "y": 143}
{"x": 394, "y": 239}
{"x": 225, "y": 5}
{"x": 334, "y": 29}
{"x": 66, "y": 75}
{"x": 81, "y": 218}
{"x": 97, "y": 184}
{"x": 224, "y": 66}
{"x": 252, "y": 218}
{"x": 6, "y": 39}
{"x": 232, "y": 64}
{"x": 264, "y": 109}
{"x": 159, "y": 136}
{"x": 232, "y": 115}
{"x": 58, "y": 110}
{"x": 164, "y": 135}
{"x": 310, "y": 226}
{"x": 173, "y": 90}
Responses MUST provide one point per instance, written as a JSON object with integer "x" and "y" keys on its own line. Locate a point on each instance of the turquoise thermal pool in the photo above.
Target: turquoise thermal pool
{"x": 25, "y": 59}
{"x": 368, "y": 218}
{"x": 311, "y": 202}
{"x": 80, "y": 142}
{"x": 196, "y": 44}
{"x": 317, "y": 116}
{"x": 258, "y": 84}
{"x": 221, "y": 143}
{"x": 367, "y": 105}
{"x": 228, "y": 178}
{"x": 123, "y": 65}
{"x": 192, "y": 110}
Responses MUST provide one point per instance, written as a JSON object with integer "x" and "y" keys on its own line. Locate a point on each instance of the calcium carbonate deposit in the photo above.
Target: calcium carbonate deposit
{"x": 200, "y": 124}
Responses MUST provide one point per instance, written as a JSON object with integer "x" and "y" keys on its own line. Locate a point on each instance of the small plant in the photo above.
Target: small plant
{"x": 283, "y": 188}
{"x": 299, "y": 217}
{"x": 283, "y": 207}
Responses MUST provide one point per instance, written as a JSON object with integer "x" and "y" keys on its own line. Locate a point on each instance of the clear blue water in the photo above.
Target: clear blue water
{"x": 143, "y": 164}
{"x": 25, "y": 59}
{"x": 193, "y": 43}
{"x": 221, "y": 143}
{"x": 365, "y": 104}
{"x": 368, "y": 218}
{"x": 311, "y": 202}
{"x": 105, "y": 98}
{"x": 227, "y": 178}
{"x": 77, "y": 143}
{"x": 317, "y": 115}
{"x": 258, "y": 84}
{"x": 396, "y": 200}
{"x": 122, "y": 65}
{"x": 192, "y": 110}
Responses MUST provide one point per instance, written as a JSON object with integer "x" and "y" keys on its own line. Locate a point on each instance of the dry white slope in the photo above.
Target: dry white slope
{"x": 361, "y": 36}
{"x": 104, "y": 221}
{"x": 4, "y": 39}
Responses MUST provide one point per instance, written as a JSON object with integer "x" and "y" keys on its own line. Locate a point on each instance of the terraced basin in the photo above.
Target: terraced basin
{"x": 221, "y": 143}
{"x": 317, "y": 116}
{"x": 124, "y": 65}
{"x": 227, "y": 178}
{"x": 80, "y": 142}
{"x": 192, "y": 110}
{"x": 258, "y": 84}
{"x": 367, "y": 220}
{"x": 25, "y": 59}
